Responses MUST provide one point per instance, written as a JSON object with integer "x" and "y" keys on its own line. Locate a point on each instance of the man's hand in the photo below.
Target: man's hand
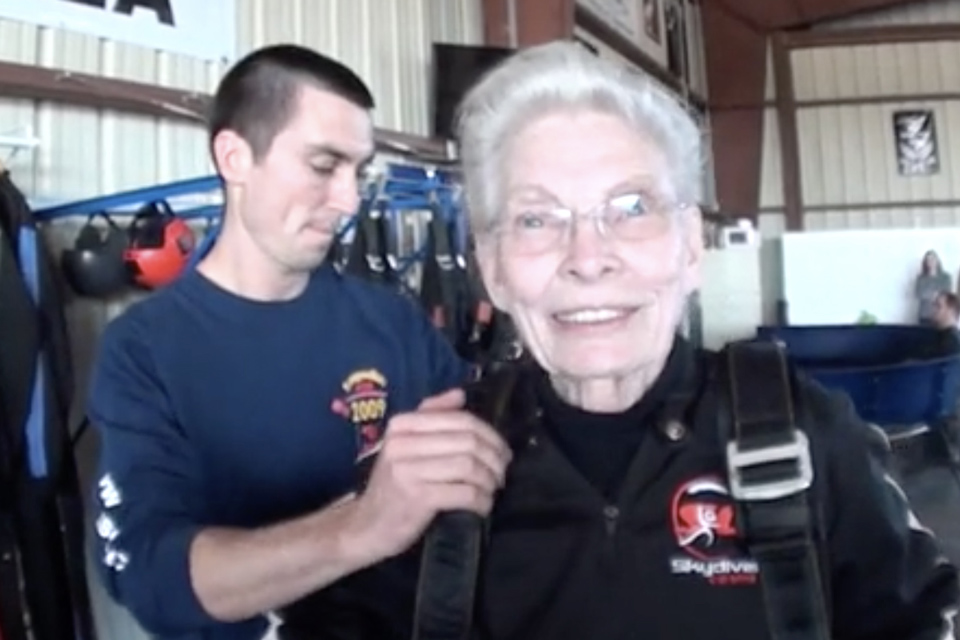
{"x": 438, "y": 458}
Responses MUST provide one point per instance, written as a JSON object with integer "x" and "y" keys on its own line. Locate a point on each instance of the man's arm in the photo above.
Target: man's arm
{"x": 889, "y": 576}
{"x": 239, "y": 573}
{"x": 176, "y": 574}
{"x": 158, "y": 557}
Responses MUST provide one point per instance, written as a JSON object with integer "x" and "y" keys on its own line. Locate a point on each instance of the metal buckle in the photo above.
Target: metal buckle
{"x": 738, "y": 461}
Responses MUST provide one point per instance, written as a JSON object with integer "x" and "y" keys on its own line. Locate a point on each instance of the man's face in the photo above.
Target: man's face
{"x": 291, "y": 201}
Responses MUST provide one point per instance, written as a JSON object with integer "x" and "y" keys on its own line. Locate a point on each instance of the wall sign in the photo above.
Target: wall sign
{"x": 638, "y": 21}
{"x": 621, "y": 15}
{"x": 915, "y": 137}
{"x": 651, "y": 20}
{"x": 202, "y": 29}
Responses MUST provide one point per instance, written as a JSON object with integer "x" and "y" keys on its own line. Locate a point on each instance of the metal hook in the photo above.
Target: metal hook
{"x": 16, "y": 141}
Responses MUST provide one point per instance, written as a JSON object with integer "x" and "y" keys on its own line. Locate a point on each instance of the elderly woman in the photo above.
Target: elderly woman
{"x": 616, "y": 517}
{"x": 616, "y": 521}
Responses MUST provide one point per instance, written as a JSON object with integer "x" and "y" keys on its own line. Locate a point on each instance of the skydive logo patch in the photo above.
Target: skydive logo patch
{"x": 703, "y": 522}
{"x": 365, "y": 406}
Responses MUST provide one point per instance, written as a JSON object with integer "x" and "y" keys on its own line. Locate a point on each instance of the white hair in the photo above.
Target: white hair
{"x": 564, "y": 75}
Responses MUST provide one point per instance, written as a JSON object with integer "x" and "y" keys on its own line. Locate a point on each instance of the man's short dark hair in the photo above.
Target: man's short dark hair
{"x": 952, "y": 301}
{"x": 257, "y": 97}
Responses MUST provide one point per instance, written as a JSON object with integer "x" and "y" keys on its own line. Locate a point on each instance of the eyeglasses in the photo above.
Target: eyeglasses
{"x": 632, "y": 217}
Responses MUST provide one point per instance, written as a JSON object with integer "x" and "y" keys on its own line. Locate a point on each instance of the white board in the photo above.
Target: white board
{"x": 831, "y": 277}
{"x": 198, "y": 28}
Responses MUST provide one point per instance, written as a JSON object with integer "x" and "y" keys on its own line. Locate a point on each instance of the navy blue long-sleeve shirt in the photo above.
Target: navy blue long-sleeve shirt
{"x": 215, "y": 410}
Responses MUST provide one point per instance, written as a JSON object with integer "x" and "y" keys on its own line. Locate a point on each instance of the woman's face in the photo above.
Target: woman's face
{"x": 591, "y": 299}
{"x": 930, "y": 262}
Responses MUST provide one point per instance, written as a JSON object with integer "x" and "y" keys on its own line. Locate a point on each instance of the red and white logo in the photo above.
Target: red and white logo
{"x": 703, "y": 522}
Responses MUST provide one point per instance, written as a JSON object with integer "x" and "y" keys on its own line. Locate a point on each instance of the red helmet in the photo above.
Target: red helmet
{"x": 160, "y": 246}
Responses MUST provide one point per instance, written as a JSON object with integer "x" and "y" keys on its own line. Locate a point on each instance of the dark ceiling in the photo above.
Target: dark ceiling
{"x": 770, "y": 15}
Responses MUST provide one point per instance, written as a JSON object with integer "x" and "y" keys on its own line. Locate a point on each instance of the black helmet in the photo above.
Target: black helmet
{"x": 94, "y": 266}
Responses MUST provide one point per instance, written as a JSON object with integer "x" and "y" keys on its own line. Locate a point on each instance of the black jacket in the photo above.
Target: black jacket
{"x": 663, "y": 559}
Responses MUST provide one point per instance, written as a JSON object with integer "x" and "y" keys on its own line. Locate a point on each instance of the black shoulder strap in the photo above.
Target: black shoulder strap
{"x": 770, "y": 474}
{"x": 450, "y": 561}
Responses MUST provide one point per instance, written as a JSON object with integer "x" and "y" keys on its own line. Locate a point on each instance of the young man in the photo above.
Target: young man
{"x": 234, "y": 405}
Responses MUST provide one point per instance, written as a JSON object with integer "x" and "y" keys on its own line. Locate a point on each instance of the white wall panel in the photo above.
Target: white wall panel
{"x": 865, "y": 71}
{"x": 730, "y": 298}
{"x": 848, "y": 157}
{"x": 86, "y": 152}
{"x": 884, "y": 218}
{"x": 385, "y": 41}
{"x": 83, "y": 151}
{"x": 918, "y": 12}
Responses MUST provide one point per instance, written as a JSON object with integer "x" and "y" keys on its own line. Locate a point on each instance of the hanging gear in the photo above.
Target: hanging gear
{"x": 94, "y": 267}
{"x": 42, "y": 573}
{"x": 17, "y": 362}
{"x": 443, "y": 285}
{"x": 367, "y": 256}
{"x": 160, "y": 246}
{"x": 491, "y": 340}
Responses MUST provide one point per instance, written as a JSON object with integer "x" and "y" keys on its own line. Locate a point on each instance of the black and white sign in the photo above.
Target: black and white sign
{"x": 198, "y": 28}
{"x": 915, "y": 136}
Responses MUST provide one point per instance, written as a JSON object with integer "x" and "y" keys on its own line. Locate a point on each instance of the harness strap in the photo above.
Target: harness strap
{"x": 366, "y": 257}
{"x": 439, "y": 286}
{"x": 770, "y": 475}
{"x": 450, "y": 561}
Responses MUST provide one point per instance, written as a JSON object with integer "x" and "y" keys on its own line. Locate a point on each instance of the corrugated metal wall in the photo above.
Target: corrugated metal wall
{"x": 85, "y": 152}
{"x": 847, "y": 153}
{"x": 847, "y": 150}
{"x": 385, "y": 41}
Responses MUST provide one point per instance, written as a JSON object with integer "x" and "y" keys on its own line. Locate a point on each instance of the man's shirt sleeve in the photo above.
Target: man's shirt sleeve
{"x": 148, "y": 496}
{"x": 447, "y": 370}
{"x": 889, "y": 576}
